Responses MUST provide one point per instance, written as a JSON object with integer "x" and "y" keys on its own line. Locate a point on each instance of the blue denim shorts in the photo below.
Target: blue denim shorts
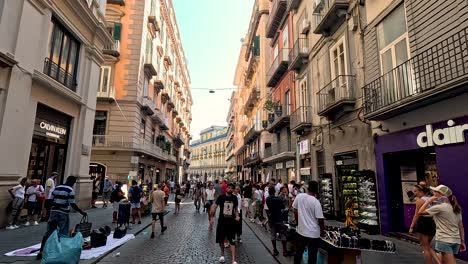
{"x": 444, "y": 247}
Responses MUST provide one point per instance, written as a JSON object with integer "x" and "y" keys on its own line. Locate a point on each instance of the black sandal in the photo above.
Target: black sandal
{"x": 275, "y": 253}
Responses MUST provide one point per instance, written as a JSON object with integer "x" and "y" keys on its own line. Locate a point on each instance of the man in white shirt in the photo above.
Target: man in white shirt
{"x": 278, "y": 186}
{"x": 49, "y": 189}
{"x": 309, "y": 216}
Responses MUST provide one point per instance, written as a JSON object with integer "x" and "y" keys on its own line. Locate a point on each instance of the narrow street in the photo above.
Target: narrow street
{"x": 187, "y": 240}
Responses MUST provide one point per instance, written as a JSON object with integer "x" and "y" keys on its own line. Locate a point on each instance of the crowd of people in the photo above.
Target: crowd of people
{"x": 271, "y": 205}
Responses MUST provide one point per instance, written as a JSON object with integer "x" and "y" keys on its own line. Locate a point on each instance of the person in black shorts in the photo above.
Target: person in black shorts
{"x": 228, "y": 217}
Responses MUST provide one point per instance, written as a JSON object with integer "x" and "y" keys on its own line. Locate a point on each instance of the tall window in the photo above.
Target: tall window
{"x": 104, "y": 84}
{"x": 320, "y": 162}
{"x": 62, "y": 60}
{"x": 153, "y": 135}
{"x": 285, "y": 37}
{"x": 392, "y": 37}
{"x": 100, "y": 121}
{"x": 287, "y": 102}
{"x": 143, "y": 129}
{"x": 304, "y": 98}
{"x": 338, "y": 59}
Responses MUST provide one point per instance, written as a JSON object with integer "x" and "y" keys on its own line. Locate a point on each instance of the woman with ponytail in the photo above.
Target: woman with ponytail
{"x": 450, "y": 234}
{"x": 424, "y": 225}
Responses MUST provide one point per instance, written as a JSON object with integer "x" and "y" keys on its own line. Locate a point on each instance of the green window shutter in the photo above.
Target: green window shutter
{"x": 117, "y": 30}
{"x": 256, "y": 46}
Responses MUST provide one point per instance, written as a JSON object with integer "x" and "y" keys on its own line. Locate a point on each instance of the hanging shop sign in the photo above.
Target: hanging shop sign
{"x": 304, "y": 147}
{"x": 444, "y": 136}
{"x": 134, "y": 159}
{"x": 279, "y": 166}
{"x": 305, "y": 171}
{"x": 290, "y": 164}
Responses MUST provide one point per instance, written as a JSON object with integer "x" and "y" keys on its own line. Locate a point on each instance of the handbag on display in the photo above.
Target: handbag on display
{"x": 84, "y": 227}
{"x": 120, "y": 232}
{"x": 98, "y": 238}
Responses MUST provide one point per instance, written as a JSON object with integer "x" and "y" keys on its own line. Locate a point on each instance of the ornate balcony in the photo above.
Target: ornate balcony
{"x": 130, "y": 143}
{"x": 59, "y": 74}
{"x": 299, "y": 54}
{"x": 301, "y": 120}
{"x": 337, "y": 97}
{"x": 279, "y": 119}
{"x": 329, "y": 15}
{"x": 278, "y": 68}
{"x": 108, "y": 95}
{"x": 116, "y": 2}
{"x": 430, "y": 76}
{"x": 148, "y": 106}
{"x": 277, "y": 12}
{"x": 112, "y": 48}
{"x": 279, "y": 151}
{"x": 253, "y": 98}
{"x": 150, "y": 64}
{"x": 178, "y": 140}
{"x": 253, "y": 133}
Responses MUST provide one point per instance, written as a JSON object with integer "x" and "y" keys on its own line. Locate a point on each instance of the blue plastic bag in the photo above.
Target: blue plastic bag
{"x": 62, "y": 250}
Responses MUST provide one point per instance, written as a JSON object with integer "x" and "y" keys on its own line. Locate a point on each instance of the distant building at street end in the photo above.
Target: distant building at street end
{"x": 208, "y": 161}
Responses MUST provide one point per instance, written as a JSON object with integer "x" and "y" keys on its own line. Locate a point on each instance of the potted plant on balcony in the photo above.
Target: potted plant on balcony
{"x": 264, "y": 124}
{"x": 168, "y": 147}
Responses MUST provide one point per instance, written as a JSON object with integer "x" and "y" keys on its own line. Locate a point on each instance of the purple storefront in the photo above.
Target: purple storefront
{"x": 436, "y": 153}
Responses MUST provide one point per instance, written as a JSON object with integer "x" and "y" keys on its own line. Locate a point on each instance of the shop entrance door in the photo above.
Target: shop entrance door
{"x": 403, "y": 170}
{"x": 46, "y": 157}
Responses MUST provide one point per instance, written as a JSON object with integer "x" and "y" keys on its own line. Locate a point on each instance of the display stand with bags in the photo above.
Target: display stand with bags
{"x": 84, "y": 227}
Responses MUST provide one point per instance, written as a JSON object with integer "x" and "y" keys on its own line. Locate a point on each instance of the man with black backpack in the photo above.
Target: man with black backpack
{"x": 134, "y": 195}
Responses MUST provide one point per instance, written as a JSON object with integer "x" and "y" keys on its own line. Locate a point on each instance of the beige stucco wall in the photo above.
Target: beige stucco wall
{"x": 27, "y": 24}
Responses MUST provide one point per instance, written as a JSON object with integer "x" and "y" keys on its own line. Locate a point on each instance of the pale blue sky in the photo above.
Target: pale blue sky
{"x": 211, "y": 32}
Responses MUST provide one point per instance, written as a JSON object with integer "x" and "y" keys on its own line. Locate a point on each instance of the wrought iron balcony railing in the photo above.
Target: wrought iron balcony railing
{"x": 112, "y": 48}
{"x": 277, "y": 11}
{"x": 329, "y": 15}
{"x": 132, "y": 143}
{"x": 436, "y": 70}
{"x": 337, "y": 96}
{"x": 278, "y": 68}
{"x": 59, "y": 74}
{"x": 299, "y": 54}
{"x": 301, "y": 119}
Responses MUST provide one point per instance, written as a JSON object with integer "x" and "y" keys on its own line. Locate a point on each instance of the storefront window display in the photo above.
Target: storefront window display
{"x": 49, "y": 144}
{"x": 346, "y": 166}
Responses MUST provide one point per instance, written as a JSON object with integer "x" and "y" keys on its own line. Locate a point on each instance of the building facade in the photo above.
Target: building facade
{"x": 416, "y": 99}
{"x": 50, "y": 58}
{"x": 370, "y": 99}
{"x": 143, "y": 114}
{"x": 208, "y": 161}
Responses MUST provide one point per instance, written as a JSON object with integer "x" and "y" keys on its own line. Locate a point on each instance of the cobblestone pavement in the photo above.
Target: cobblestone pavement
{"x": 187, "y": 240}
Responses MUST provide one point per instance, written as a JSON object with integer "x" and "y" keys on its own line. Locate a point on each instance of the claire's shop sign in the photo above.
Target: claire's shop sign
{"x": 452, "y": 134}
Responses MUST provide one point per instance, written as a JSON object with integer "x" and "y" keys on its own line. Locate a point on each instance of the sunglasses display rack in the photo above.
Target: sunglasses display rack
{"x": 326, "y": 195}
{"x": 367, "y": 200}
{"x": 344, "y": 238}
{"x": 348, "y": 185}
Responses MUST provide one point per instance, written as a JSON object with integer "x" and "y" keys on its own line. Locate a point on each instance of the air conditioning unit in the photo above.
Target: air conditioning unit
{"x": 305, "y": 26}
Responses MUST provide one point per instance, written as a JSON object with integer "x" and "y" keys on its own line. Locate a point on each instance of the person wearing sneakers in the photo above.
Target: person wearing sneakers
{"x": 158, "y": 208}
{"x": 134, "y": 195}
{"x": 227, "y": 221}
{"x": 17, "y": 193}
{"x": 33, "y": 192}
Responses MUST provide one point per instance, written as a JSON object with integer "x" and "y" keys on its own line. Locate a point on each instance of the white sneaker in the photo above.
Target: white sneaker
{"x": 16, "y": 227}
{"x": 234, "y": 262}
{"x": 27, "y": 223}
{"x": 10, "y": 227}
{"x": 36, "y": 223}
{"x": 221, "y": 259}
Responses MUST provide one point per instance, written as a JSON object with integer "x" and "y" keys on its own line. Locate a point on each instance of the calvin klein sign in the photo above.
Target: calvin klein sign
{"x": 444, "y": 136}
